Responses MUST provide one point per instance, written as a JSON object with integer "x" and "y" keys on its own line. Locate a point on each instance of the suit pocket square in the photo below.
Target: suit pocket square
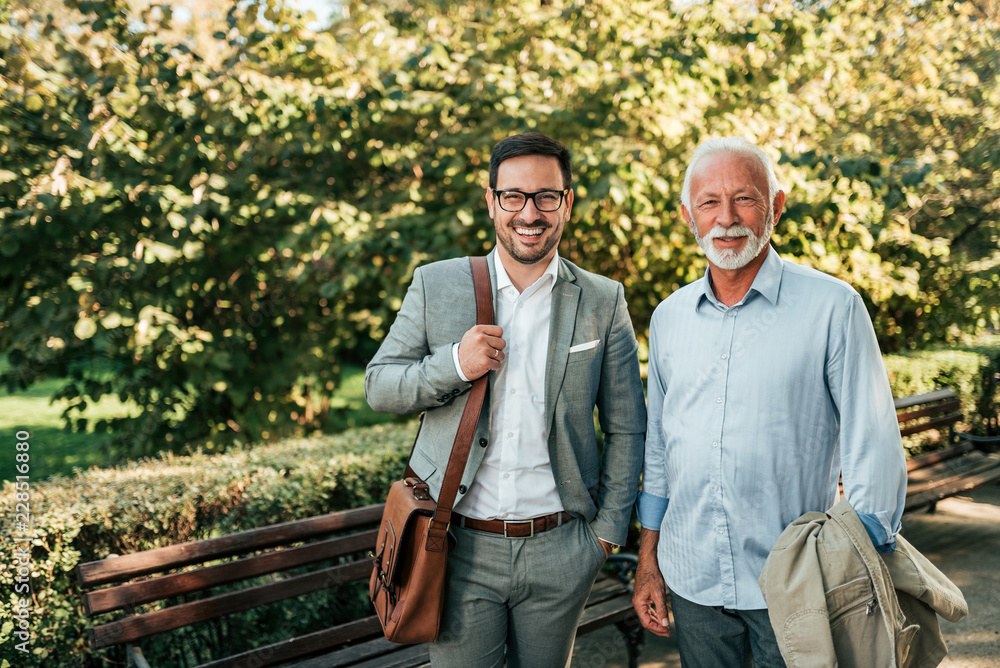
{"x": 584, "y": 346}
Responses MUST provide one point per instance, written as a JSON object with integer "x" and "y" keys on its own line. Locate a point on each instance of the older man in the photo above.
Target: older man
{"x": 540, "y": 505}
{"x": 765, "y": 383}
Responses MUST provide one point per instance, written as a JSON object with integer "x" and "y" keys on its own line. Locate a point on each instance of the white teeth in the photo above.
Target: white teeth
{"x": 528, "y": 232}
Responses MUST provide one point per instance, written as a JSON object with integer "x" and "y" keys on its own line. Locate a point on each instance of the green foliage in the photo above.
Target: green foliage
{"x": 973, "y": 372}
{"x": 174, "y": 499}
{"x": 228, "y": 219}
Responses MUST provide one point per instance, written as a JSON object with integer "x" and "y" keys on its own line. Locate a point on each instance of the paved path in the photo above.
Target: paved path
{"x": 962, "y": 539}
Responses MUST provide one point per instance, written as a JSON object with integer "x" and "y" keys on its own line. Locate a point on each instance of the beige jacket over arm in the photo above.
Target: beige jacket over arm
{"x": 834, "y": 601}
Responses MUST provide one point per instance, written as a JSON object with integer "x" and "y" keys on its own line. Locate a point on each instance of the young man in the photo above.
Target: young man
{"x": 540, "y": 506}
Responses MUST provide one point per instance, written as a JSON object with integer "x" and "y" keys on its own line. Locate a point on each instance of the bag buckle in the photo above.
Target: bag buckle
{"x": 421, "y": 492}
{"x": 530, "y": 523}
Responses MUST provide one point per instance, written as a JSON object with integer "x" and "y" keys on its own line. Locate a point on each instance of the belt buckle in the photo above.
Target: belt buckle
{"x": 530, "y": 523}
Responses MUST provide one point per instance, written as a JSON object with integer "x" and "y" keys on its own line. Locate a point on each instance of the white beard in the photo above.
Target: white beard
{"x": 733, "y": 259}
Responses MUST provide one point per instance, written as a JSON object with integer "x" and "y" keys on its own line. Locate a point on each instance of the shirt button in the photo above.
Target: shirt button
{"x": 715, "y": 444}
{"x": 482, "y": 442}
{"x": 513, "y": 391}
{"x": 720, "y": 531}
{"x": 718, "y": 400}
{"x": 725, "y": 356}
{"x": 510, "y": 434}
{"x": 506, "y": 475}
{"x": 462, "y": 489}
{"x": 732, "y": 314}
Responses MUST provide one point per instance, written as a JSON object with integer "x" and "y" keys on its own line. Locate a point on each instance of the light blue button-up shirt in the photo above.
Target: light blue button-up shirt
{"x": 754, "y": 411}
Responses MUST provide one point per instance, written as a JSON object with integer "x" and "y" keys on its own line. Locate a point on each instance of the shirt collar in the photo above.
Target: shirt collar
{"x": 766, "y": 282}
{"x": 543, "y": 283}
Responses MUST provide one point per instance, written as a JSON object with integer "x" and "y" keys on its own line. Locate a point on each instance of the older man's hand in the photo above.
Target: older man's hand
{"x": 650, "y": 595}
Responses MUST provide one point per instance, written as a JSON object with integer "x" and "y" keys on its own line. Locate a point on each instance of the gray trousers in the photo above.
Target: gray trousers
{"x": 516, "y": 599}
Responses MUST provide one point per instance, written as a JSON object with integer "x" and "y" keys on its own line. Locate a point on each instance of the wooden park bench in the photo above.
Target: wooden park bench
{"x": 169, "y": 588}
{"x": 963, "y": 463}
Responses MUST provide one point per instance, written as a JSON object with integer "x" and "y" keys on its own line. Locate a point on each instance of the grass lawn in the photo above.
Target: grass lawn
{"x": 348, "y": 408}
{"x": 54, "y": 451}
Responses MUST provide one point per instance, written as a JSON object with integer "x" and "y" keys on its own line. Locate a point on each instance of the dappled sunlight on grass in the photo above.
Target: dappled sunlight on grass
{"x": 55, "y": 451}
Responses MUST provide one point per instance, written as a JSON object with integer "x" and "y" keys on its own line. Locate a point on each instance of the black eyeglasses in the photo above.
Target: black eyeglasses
{"x": 513, "y": 201}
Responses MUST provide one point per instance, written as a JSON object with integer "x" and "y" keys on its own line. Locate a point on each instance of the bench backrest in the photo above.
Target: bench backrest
{"x": 257, "y": 552}
{"x": 931, "y": 410}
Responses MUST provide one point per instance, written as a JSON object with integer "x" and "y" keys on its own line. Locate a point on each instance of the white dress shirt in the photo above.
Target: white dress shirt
{"x": 515, "y": 480}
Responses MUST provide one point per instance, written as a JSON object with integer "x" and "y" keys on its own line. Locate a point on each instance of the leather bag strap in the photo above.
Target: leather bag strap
{"x": 439, "y": 524}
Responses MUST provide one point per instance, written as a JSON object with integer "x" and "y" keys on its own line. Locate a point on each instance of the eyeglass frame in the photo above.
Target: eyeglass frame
{"x": 562, "y": 198}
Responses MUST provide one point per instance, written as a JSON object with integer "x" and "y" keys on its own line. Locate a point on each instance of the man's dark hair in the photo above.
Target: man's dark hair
{"x": 530, "y": 143}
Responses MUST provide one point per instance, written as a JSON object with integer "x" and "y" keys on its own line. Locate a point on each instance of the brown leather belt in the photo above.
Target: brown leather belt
{"x": 515, "y": 528}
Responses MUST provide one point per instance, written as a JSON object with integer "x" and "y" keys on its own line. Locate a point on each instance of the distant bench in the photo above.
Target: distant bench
{"x": 265, "y": 556}
{"x": 964, "y": 462}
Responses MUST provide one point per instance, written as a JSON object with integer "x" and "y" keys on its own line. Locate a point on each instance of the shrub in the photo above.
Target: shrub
{"x": 971, "y": 371}
{"x": 172, "y": 499}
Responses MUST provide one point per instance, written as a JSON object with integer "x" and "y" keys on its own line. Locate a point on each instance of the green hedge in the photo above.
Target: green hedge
{"x": 971, "y": 371}
{"x": 173, "y": 499}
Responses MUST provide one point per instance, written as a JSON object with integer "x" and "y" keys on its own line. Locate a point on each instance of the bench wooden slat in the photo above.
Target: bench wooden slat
{"x": 605, "y": 588}
{"x": 607, "y": 612}
{"x": 951, "y": 418}
{"x": 174, "y": 556}
{"x": 919, "y": 480}
{"x": 925, "y": 398}
{"x": 972, "y": 464}
{"x": 375, "y": 650}
{"x": 955, "y": 485}
{"x": 288, "y": 650}
{"x": 923, "y": 461}
{"x": 948, "y": 406}
{"x": 133, "y": 628}
{"x": 413, "y": 656}
{"x": 137, "y": 593}
{"x": 609, "y": 602}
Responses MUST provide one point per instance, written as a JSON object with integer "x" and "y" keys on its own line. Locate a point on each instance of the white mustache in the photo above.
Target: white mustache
{"x": 733, "y": 231}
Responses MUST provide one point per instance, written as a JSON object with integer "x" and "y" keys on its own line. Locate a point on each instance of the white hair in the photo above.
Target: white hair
{"x": 737, "y": 146}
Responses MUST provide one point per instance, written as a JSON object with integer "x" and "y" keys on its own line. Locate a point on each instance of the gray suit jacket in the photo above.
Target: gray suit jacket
{"x": 414, "y": 371}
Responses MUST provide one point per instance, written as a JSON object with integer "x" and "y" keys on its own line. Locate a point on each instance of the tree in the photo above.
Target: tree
{"x": 225, "y": 217}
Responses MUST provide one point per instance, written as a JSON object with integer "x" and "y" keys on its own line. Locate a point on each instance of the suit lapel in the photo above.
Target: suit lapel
{"x": 565, "y": 302}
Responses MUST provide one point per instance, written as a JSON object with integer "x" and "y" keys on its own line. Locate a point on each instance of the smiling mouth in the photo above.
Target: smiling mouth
{"x": 529, "y": 232}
